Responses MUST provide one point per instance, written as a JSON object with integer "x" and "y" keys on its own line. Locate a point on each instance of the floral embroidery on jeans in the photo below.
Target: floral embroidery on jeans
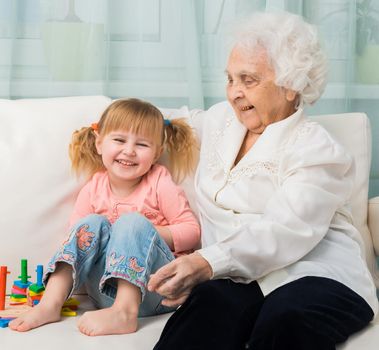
{"x": 133, "y": 264}
{"x": 68, "y": 239}
{"x": 116, "y": 269}
{"x": 85, "y": 238}
{"x": 113, "y": 260}
{"x": 134, "y": 270}
{"x": 61, "y": 256}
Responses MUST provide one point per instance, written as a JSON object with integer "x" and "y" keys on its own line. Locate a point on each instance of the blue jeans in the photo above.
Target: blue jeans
{"x": 100, "y": 253}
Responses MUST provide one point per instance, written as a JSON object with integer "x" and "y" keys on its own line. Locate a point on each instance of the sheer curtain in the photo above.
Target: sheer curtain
{"x": 173, "y": 52}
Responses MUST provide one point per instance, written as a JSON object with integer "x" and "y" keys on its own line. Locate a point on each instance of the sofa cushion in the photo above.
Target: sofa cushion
{"x": 373, "y": 221}
{"x": 36, "y": 187}
{"x": 353, "y": 131}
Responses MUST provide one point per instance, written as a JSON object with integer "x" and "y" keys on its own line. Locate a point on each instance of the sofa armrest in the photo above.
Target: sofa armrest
{"x": 373, "y": 221}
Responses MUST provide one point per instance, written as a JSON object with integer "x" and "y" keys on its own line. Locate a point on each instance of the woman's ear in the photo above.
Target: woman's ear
{"x": 290, "y": 95}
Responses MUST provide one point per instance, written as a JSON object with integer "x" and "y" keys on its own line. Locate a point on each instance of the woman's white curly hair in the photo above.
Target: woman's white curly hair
{"x": 293, "y": 48}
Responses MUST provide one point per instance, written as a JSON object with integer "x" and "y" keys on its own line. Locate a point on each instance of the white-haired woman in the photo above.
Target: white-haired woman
{"x": 281, "y": 266}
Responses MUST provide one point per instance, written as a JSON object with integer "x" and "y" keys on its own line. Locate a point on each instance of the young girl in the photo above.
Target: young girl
{"x": 128, "y": 221}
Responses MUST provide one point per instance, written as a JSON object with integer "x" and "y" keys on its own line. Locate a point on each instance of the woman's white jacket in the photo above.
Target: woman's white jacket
{"x": 282, "y": 212}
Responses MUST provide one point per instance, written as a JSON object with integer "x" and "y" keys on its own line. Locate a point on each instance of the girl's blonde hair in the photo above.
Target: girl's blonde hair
{"x": 142, "y": 118}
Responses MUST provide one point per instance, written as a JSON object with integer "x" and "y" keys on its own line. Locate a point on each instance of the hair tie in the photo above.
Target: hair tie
{"x": 166, "y": 122}
{"x": 95, "y": 126}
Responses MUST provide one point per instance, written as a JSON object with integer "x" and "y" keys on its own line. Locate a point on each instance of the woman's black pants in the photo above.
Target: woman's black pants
{"x": 311, "y": 313}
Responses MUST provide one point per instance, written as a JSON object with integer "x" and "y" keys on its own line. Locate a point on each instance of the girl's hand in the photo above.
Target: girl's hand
{"x": 175, "y": 280}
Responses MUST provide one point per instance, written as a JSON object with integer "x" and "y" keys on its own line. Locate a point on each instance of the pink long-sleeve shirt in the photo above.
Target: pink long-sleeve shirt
{"x": 157, "y": 197}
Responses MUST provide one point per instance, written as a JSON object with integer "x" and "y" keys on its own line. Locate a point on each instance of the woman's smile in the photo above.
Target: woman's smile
{"x": 246, "y": 108}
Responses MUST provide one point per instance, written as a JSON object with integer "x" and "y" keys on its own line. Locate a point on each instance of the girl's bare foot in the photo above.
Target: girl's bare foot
{"x": 112, "y": 320}
{"x": 37, "y": 316}
{"x": 49, "y": 308}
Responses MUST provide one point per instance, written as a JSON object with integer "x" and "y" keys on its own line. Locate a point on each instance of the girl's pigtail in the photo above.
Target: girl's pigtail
{"x": 181, "y": 147}
{"x": 83, "y": 154}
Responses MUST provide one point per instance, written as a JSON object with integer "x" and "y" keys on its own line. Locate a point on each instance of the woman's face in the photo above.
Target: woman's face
{"x": 251, "y": 91}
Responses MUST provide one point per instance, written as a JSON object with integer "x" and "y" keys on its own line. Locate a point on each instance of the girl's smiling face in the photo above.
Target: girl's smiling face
{"x": 127, "y": 156}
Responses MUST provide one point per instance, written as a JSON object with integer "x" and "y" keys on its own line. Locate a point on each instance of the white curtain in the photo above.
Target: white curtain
{"x": 173, "y": 52}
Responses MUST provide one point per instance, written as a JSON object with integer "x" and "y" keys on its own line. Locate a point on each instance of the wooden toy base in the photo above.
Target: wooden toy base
{"x": 13, "y": 310}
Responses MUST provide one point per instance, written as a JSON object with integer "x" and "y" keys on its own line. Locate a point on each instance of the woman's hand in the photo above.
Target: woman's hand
{"x": 175, "y": 280}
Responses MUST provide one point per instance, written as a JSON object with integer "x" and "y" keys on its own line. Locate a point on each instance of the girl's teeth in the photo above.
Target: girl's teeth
{"x": 125, "y": 163}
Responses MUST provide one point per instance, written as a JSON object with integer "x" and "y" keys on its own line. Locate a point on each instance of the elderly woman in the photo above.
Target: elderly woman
{"x": 281, "y": 265}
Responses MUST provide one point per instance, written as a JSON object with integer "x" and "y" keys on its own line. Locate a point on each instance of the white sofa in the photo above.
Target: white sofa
{"x": 37, "y": 191}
